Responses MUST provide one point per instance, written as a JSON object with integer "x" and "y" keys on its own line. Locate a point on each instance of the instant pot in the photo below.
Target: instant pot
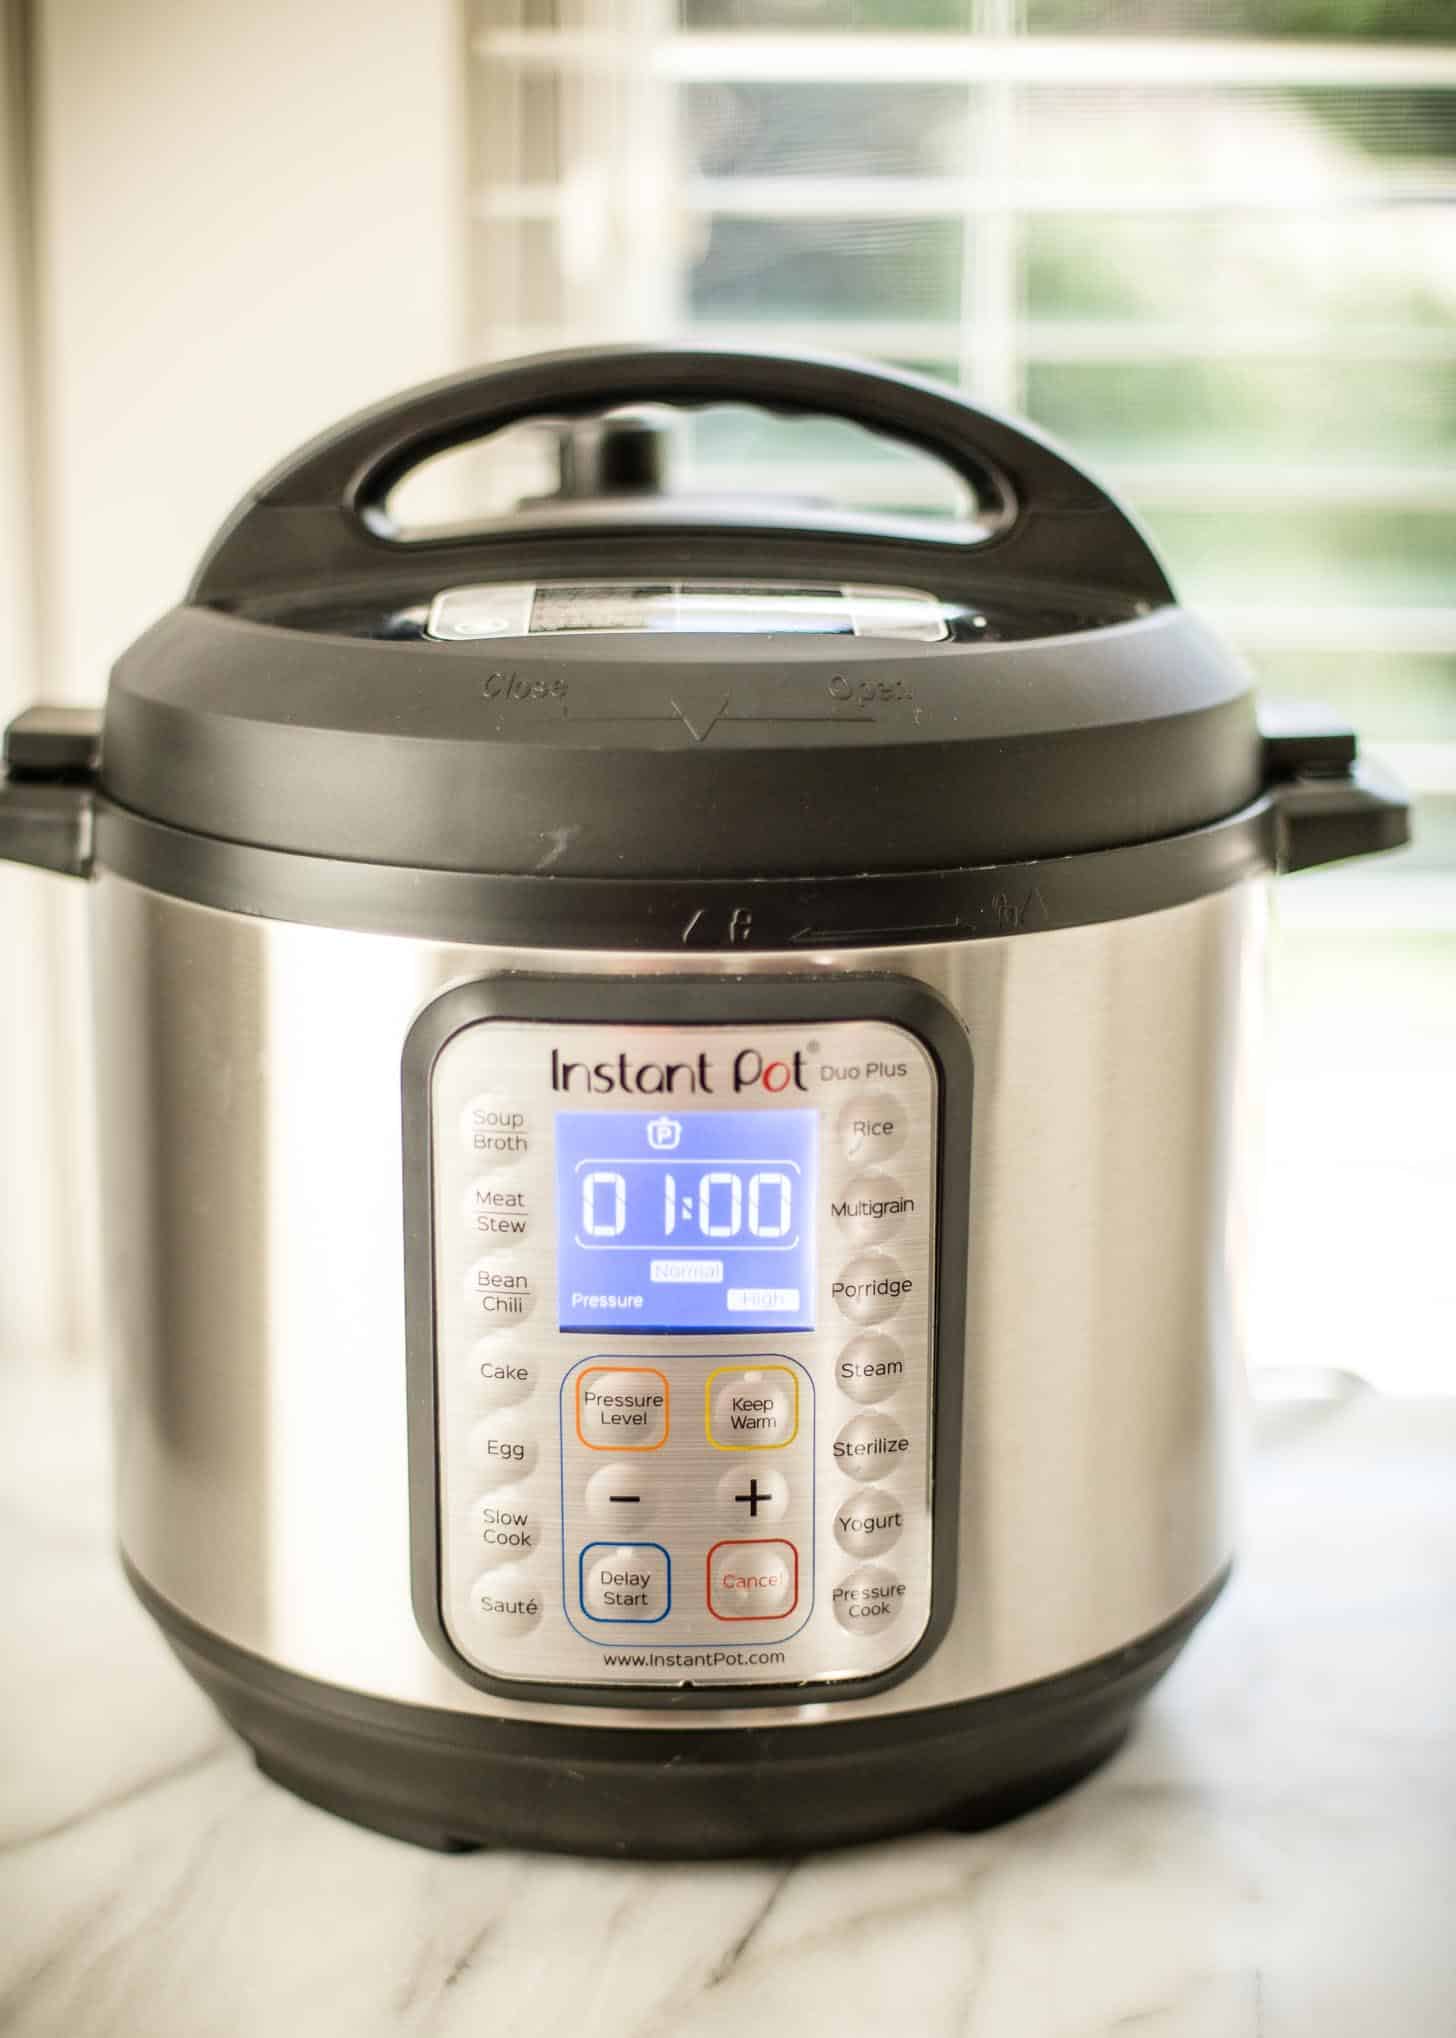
{"x": 674, "y": 1089}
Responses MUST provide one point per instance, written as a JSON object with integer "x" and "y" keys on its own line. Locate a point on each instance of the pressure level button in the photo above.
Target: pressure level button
{"x": 871, "y": 1446}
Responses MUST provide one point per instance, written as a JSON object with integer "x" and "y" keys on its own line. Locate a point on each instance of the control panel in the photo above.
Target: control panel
{"x": 682, "y": 1309}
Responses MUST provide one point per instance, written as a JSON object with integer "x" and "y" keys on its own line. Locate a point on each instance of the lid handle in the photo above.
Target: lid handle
{"x": 320, "y": 510}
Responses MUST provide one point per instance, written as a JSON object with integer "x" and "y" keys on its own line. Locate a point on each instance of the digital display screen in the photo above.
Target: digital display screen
{"x": 690, "y": 1221}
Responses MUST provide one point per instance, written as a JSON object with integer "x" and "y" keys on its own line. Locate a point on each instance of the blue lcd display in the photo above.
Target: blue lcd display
{"x": 691, "y": 1221}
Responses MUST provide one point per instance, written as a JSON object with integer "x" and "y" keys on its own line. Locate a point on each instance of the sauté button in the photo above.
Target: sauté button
{"x": 752, "y": 1408}
{"x": 870, "y": 1368}
{"x": 871, "y": 1288}
{"x": 500, "y": 1375}
{"x": 752, "y": 1580}
{"x": 753, "y": 1494}
{"x": 622, "y": 1408}
{"x": 625, "y": 1582}
{"x": 505, "y": 1525}
{"x": 502, "y": 1446}
{"x": 505, "y": 1601}
{"x": 622, "y": 1496}
{"x": 495, "y": 1216}
{"x": 872, "y": 1207}
{"x": 870, "y": 1446}
{"x": 868, "y": 1600}
{"x": 497, "y": 1296}
{"x": 871, "y": 1126}
{"x": 495, "y": 1130}
{"x": 867, "y": 1523}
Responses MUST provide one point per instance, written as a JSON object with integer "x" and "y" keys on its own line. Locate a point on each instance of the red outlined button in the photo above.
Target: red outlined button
{"x": 753, "y": 1580}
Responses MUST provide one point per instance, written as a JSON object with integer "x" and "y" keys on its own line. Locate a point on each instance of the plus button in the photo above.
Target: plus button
{"x": 752, "y": 1497}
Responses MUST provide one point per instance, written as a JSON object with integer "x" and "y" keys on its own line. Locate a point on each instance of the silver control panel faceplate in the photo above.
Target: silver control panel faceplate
{"x": 723, "y": 1508}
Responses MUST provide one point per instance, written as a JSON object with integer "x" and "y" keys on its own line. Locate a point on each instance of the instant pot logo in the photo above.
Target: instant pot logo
{"x": 701, "y": 1075}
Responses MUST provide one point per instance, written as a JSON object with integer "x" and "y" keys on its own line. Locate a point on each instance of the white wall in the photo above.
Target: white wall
{"x": 248, "y": 221}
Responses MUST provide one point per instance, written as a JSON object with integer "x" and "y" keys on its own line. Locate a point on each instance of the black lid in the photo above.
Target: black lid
{"x": 296, "y": 702}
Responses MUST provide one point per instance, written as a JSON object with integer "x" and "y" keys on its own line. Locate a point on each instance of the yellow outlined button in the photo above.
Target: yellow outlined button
{"x": 752, "y": 1408}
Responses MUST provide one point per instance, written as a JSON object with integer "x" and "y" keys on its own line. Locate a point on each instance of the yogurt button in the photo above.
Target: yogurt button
{"x": 505, "y": 1601}
{"x": 871, "y": 1126}
{"x": 494, "y": 1130}
{"x": 868, "y": 1522}
{"x": 871, "y": 1288}
{"x": 870, "y": 1368}
{"x": 500, "y": 1376}
{"x": 871, "y": 1446}
{"x": 869, "y": 1599}
{"x": 502, "y": 1446}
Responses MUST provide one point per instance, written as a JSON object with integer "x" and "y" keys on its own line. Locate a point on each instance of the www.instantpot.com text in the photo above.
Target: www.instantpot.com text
{"x": 689, "y": 1659}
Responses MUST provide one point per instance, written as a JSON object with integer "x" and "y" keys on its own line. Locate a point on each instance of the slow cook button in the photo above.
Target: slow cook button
{"x": 871, "y": 1288}
{"x": 500, "y": 1377}
{"x": 495, "y": 1216}
{"x": 752, "y": 1580}
{"x": 868, "y": 1599}
{"x": 871, "y": 1127}
{"x": 753, "y": 1408}
{"x": 867, "y": 1523}
{"x": 495, "y": 1131}
{"x": 505, "y": 1601}
{"x": 872, "y": 1207}
{"x": 870, "y": 1446}
{"x": 625, "y": 1582}
{"x": 496, "y": 1296}
{"x": 622, "y": 1408}
{"x": 504, "y": 1525}
{"x": 502, "y": 1447}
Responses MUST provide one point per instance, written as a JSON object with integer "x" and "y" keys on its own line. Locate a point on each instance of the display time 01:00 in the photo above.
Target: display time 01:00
{"x": 640, "y": 1204}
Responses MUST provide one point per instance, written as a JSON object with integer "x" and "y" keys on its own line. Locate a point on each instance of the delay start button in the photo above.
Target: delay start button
{"x": 629, "y": 1582}
{"x": 869, "y": 1599}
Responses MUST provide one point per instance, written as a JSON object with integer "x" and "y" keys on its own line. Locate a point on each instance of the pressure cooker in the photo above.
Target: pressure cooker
{"x": 675, "y": 1076}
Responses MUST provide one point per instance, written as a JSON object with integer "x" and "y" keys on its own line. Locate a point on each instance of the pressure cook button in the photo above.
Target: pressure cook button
{"x": 497, "y": 1296}
{"x": 505, "y": 1602}
{"x": 870, "y": 1446}
{"x": 753, "y": 1408}
{"x": 495, "y": 1216}
{"x": 621, "y": 1496}
{"x": 495, "y": 1130}
{"x": 500, "y": 1375}
{"x": 868, "y": 1599}
{"x": 872, "y": 1126}
{"x": 502, "y": 1446}
{"x": 622, "y": 1408}
{"x": 751, "y": 1496}
{"x": 874, "y": 1206}
{"x": 871, "y": 1288}
{"x": 625, "y": 1582}
{"x": 870, "y": 1368}
{"x": 752, "y": 1580}
{"x": 505, "y": 1524}
{"x": 867, "y": 1523}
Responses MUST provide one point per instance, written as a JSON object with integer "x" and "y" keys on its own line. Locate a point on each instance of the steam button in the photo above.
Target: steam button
{"x": 870, "y": 1368}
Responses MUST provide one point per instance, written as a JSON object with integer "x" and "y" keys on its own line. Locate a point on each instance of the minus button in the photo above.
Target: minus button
{"x": 613, "y": 1487}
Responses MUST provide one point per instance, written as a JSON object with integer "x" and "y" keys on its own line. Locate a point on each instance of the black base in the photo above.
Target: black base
{"x": 454, "y": 1781}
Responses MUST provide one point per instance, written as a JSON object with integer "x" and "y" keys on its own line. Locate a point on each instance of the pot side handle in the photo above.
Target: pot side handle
{"x": 48, "y": 791}
{"x": 1331, "y": 802}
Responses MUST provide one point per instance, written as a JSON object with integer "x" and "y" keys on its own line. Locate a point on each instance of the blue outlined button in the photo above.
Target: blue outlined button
{"x": 625, "y": 1582}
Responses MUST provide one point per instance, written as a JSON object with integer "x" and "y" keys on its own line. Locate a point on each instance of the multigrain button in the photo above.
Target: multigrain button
{"x": 494, "y": 1130}
{"x": 752, "y": 1580}
{"x": 752, "y": 1408}
{"x": 500, "y": 1375}
{"x": 622, "y": 1408}
{"x": 497, "y": 1296}
{"x": 753, "y": 1495}
{"x": 871, "y": 1288}
{"x": 874, "y": 1206}
{"x": 505, "y": 1525}
{"x": 867, "y": 1523}
{"x": 870, "y": 1368}
{"x": 871, "y": 1127}
{"x": 868, "y": 1599}
{"x": 505, "y": 1601}
{"x": 501, "y": 1446}
{"x": 870, "y": 1446}
{"x": 495, "y": 1216}
{"x": 621, "y": 1496}
{"x": 625, "y": 1582}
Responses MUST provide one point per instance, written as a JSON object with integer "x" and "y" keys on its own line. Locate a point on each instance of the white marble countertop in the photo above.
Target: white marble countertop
{"x": 1273, "y": 1854}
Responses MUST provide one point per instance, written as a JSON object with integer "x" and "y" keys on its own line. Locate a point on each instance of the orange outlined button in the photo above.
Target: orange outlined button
{"x": 752, "y": 1408}
{"x": 622, "y": 1408}
{"x": 752, "y": 1580}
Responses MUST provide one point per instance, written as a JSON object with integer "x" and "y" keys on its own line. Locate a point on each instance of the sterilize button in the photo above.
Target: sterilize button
{"x": 871, "y": 1446}
{"x": 752, "y": 1580}
{"x": 625, "y": 1581}
{"x": 753, "y": 1495}
{"x": 505, "y": 1601}
{"x": 501, "y": 1375}
{"x": 871, "y": 1288}
{"x": 868, "y": 1599}
{"x": 622, "y": 1408}
{"x": 505, "y": 1525}
{"x": 867, "y": 1523}
{"x": 621, "y": 1496}
{"x": 872, "y": 1207}
{"x": 497, "y": 1296}
{"x": 752, "y": 1408}
{"x": 871, "y": 1126}
{"x": 870, "y": 1368}
{"x": 502, "y": 1446}
{"x": 495, "y": 1216}
{"x": 495, "y": 1130}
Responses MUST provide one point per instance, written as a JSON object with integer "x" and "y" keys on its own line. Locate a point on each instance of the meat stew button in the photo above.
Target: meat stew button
{"x": 870, "y": 1446}
{"x": 869, "y": 1599}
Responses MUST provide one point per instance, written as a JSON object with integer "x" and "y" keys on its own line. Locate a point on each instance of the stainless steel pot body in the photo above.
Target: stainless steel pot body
{"x": 249, "y": 1088}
